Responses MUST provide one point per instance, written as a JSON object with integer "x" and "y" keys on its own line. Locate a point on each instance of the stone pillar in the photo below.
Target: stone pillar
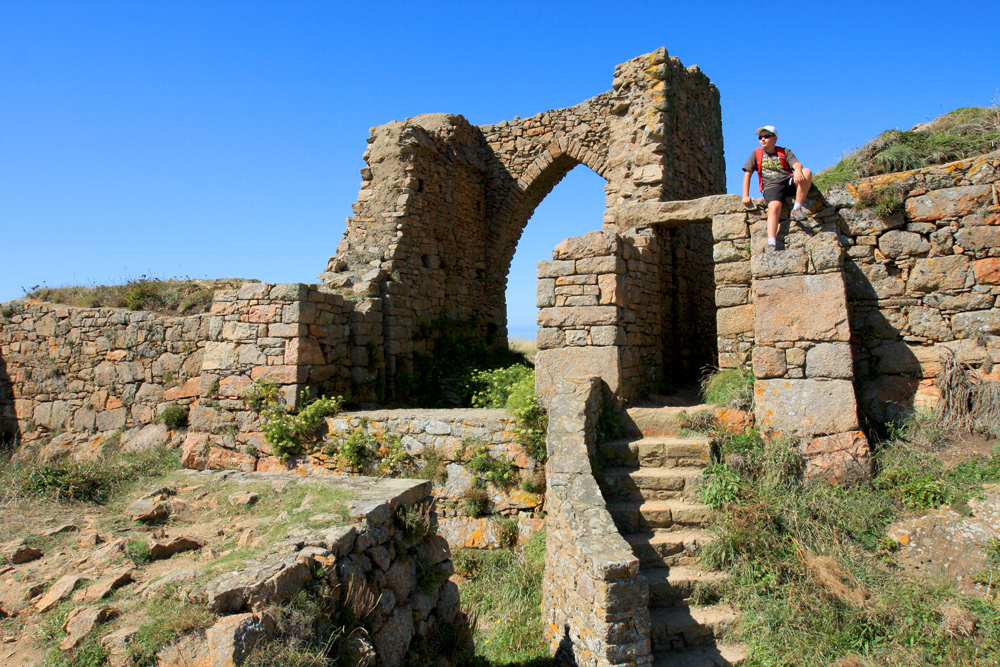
{"x": 802, "y": 354}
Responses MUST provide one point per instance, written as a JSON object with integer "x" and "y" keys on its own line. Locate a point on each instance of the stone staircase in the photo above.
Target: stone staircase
{"x": 648, "y": 483}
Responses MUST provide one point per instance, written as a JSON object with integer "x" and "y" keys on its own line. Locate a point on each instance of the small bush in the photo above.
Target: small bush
{"x": 492, "y": 388}
{"x": 722, "y": 486}
{"x": 534, "y": 483}
{"x": 486, "y": 468}
{"x": 610, "y": 425}
{"x": 883, "y": 201}
{"x": 435, "y": 466}
{"x": 532, "y": 420}
{"x": 731, "y": 387}
{"x": 174, "y": 416}
{"x": 285, "y": 432}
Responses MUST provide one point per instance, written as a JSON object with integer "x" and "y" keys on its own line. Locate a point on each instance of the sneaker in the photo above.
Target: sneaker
{"x": 800, "y": 214}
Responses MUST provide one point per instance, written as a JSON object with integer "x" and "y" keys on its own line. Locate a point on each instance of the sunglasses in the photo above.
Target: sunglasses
{"x": 766, "y": 136}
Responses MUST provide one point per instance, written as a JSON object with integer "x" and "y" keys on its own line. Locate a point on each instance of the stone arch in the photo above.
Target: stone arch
{"x": 545, "y": 172}
{"x": 443, "y": 203}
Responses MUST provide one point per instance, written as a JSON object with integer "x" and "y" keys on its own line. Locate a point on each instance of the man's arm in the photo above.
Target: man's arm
{"x": 747, "y": 201}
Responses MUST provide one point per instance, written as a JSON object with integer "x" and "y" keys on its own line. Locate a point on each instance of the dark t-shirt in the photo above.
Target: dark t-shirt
{"x": 774, "y": 175}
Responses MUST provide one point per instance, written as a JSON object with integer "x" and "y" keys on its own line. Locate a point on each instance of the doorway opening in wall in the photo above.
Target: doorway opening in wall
{"x": 574, "y": 207}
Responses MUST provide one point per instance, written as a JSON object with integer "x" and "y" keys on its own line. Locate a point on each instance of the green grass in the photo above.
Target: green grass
{"x": 961, "y": 133}
{"x": 165, "y": 621}
{"x": 505, "y": 592}
{"x": 731, "y": 387}
{"x": 96, "y": 481}
{"x": 811, "y": 568}
{"x": 173, "y": 296}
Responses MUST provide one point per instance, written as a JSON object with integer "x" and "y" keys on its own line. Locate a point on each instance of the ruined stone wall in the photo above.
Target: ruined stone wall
{"x": 443, "y": 203}
{"x": 923, "y": 281}
{"x": 595, "y": 603}
{"x": 94, "y": 369}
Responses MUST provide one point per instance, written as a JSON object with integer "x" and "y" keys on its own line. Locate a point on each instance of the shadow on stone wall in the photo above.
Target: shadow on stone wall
{"x": 10, "y": 432}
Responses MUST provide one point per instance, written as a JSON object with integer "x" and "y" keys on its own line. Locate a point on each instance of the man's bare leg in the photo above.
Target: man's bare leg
{"x": 773, "y": 213}
{"x": 802, "y": 188}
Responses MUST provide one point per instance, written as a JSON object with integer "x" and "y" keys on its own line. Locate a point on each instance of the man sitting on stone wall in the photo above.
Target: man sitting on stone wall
{"x": 781, "y": 175}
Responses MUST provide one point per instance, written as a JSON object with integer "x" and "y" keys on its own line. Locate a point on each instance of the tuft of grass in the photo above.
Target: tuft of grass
{"x": 477, "y": 502}
{"x": 96, "y": 481}
{"x": 174, "y": 416}
{"x": 166, "y": 620}
{"x": 505, "y": 592}
{"x": 176, "y": 296}
{"x": 958, "y": 134}
{"x": 731, "y": 387}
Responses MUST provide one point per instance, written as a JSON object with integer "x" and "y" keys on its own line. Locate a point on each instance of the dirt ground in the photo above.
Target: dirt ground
{"x": 223, "y": 524}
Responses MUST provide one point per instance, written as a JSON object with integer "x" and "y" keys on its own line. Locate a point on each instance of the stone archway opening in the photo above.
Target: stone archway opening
{"x": 574, "y": 206}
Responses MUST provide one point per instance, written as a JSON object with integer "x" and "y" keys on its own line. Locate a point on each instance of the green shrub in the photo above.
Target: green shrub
{"x": 368, "y": 453}
{"x": 532, "y": 420}
{"x": 137, "y": 551}
{"x": 610, "y": 425}
{"x": 492, "y": 388}
{"x": 174, "y": 416}
{"x": 499, "y": 471}
{"x": 284, "y": 432}
{"x": 506, "y": 531}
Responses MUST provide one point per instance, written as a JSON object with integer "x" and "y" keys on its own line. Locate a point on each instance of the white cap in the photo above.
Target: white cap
{"x": 767, "y": 128}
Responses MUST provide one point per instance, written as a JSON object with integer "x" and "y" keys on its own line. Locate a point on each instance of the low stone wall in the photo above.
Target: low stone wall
{"x": 373, "y": 557}
{"x": 441, "y": 443}
{"x": 94, "y": 369}
{"x": 595, "y": 603}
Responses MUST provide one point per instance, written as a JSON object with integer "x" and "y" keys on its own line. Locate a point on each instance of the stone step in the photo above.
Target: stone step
{"x": 718, "y": 655}
{"x": 672, "y": 586}
{"x": 631, "y": 483}
{"x": 681, "y": 628}
{"x": 633, "y": 516}
{"x": 659, "y": 452}
{"x": 668, "y": 547}
{"x": 655, "y": 422}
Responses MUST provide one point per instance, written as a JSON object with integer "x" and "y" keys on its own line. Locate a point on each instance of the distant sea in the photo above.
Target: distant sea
{"x": 521, "y": 332}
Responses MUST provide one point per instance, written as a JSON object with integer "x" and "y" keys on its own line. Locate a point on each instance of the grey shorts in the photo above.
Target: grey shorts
{"x": 779, "y": 192}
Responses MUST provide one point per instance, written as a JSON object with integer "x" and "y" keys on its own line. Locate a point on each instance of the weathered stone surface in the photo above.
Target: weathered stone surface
{"x": 800, "y": 308}
{"x": 556, "y": 268}
{"x": 243, "y": 498}
{"x": 987, "y": 270}
{"x": 946, "y": 203}
{"x": 927, "y": 322}
{"x": 552, "y": 365}
{"x": 80, "y": 622}
{"x": 978, "y": 238}
{"x": 733, "y": 273}
{"x": 393, "y": 638}
{"x": 191, "y": 650}
{"x": 577, "y": 316}
{"x": 59, "y": 590}
{"x": 782, "y": 263}
{"x": 936, "y": 273}
{"x": 871, "y": 281}
{"x": 737, "y": 319}
{"x": 969, "y": 325}
{"x": 676, "y": 213}
{"x": 194, "y": 453}
{"x": 769, "y": 362}
{"x": 148, "y": 510}
{"x": 275, "y": 580}
{"x": 17, "y": 552}
{"x": 843, "y": 458}
{"x": 830, "y": 360}
{"x": 805, "y": 408}
{"x": 102, "y": 589}
{"x": 594, "y": 244}
{"x": 896, "y": 243}
{"x": 220, "y": 458}
{"x": 232, "y": 638}
{"x": 159, "y": 549}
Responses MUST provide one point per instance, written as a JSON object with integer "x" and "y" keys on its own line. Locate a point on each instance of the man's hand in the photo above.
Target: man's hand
{"x": 798, "y": 176}
{"x": 747, "y": 201}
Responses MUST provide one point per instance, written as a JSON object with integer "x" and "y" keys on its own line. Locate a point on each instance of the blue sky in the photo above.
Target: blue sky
{"x": 210, "y": 139}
